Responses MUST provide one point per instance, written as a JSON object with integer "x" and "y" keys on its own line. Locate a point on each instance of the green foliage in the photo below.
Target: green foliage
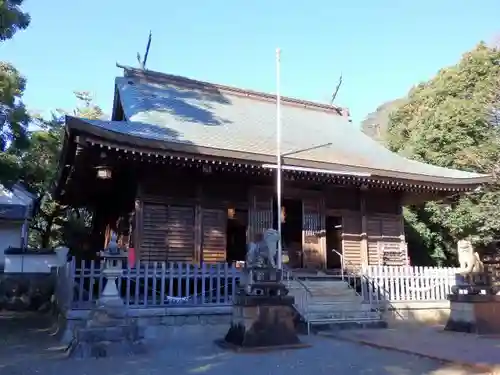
{"x": 33, "y": 157}
{"x": 55, "y": 224}
{"x": 12, "y": 18}
{"x": 451, "y": 121}
{"x": 375, "y": 124}
{"x": 87, "y": 109}
{"x": 15, "y": 119}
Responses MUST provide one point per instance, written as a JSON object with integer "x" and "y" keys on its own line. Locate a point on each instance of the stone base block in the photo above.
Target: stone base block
{"x": 108, "y": 333}
{"x": 26, "y": 292}
{"x": 107, "y": 342}
{"x": 262, "y": 322}
{"x": 478, "y": 314}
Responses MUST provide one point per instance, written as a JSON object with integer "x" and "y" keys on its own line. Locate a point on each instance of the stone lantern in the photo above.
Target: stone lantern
{"x": 109, "y": 330}
{"x": 114, "y": 259}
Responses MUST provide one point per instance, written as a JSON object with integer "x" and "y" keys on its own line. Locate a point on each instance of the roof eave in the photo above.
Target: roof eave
{"x": 63, "y": 170}
{"x": 126, "y": 141}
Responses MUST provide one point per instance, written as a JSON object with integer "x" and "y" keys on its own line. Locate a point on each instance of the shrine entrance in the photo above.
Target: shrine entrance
{"x": 291, "y": 232}
{"x": 333, "y": 242}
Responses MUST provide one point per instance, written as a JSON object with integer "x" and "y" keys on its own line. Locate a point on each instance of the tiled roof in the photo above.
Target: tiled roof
{"x": 15, "y": 204}
{"x": 178, "y": 110}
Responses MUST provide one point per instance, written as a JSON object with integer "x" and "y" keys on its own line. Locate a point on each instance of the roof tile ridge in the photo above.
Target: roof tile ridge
{"x": 160, "y": 77}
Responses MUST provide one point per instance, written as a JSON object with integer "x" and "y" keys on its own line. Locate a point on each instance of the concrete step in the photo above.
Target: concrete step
{"x": 347, "y": 298}
{"x": 328, "y": 287}
{"x": 334, "y": 295}
{"x": 338, "y": 292}
{"x": 326, "y": 328}
{"x": 336, "y": 299}
{"x": 326, "y": 284}
{"x": 338, "y": 306}
{"x": 342, "y": 316}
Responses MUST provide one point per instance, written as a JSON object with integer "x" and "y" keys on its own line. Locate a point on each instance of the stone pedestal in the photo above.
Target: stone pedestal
{"x": 474, "y": 283}
{"x": 471, "y": 313}
{"x": 108, "y": 332}
{"x": 262, "y": 322}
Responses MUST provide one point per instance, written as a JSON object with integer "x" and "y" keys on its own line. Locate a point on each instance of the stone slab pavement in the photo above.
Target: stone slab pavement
{"x": 462, "y": 349}
{"x": 28, "y": 348}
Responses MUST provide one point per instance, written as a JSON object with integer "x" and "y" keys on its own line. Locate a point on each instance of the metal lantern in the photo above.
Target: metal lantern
{"x": 103, "y": 172}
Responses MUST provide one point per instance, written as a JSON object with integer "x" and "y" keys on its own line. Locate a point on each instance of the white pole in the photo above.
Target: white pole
{"x": 278, "y": 156}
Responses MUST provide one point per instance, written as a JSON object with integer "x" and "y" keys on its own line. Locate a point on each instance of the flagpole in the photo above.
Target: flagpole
{"x": 278, "y": 156}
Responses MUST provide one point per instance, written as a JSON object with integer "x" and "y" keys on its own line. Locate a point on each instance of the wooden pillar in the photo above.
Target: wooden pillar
{"x": 364, "y": 228}
{"x": 198, "y": 226}
{"x": 138, "y": 228}
{"x": 402, "y": 238}
{"x": 198, "y": 234}
{"x": 322, "y": 228}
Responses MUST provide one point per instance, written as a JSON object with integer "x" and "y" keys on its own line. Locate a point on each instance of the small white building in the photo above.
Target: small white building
{"x": 16, "y": 211}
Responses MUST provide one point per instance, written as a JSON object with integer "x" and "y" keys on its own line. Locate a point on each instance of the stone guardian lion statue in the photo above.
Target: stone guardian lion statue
{"x": 261, "y": 254}
{"x": 469, "y": 259}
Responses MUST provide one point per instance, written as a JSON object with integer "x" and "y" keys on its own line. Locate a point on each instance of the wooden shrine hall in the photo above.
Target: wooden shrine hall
{"x": 185, "y": 171}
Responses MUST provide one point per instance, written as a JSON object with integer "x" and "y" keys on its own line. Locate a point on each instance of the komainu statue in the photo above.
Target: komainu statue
{"x": 263, "y": 253}
{"x": 260, "y": 265}
{"x": 474, "y": 279}
{"x": 469, "y": 259}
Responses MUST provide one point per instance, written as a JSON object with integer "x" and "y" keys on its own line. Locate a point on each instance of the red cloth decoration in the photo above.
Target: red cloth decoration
{"x": 131, "y": 257}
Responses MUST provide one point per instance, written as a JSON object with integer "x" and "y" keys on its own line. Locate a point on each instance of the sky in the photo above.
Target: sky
{"x": 382, "y": 48}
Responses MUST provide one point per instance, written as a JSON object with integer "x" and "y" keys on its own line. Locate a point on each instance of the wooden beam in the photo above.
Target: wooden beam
{"x": 198, "y": 226}
{"x": 139, "y": 227}
{"x": 364, "y": 229}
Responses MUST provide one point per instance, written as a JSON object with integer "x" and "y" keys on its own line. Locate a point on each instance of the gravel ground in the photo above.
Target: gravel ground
{"x": 27, "y": 348}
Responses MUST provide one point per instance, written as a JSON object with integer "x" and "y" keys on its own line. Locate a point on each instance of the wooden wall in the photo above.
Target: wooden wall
{"x": 184, "y": 222}
{"x": 385, "y": 228}
{"x": 313, "y": 232}
{"x": 187, "y": 222}
{"x": 345, "y": 203}
{"x": 371, "y": 221}
{"x": 260, "y": 212}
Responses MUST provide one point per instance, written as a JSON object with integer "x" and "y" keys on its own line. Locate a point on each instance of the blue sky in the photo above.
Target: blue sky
{"x": 382, "y": 47}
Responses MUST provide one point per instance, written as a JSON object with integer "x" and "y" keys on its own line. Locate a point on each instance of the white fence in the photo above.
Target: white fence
{"x": 153, "y": 284}
{"x": 409, "y": 283}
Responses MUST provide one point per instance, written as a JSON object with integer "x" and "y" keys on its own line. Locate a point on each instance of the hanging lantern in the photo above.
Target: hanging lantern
{"x": 103, "y": 172}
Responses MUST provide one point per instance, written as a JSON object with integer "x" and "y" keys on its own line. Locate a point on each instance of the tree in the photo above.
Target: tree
{"x": 452, "y": 121}
{"x": 12, "y": 18}
{"x": 54, "y": 224}
{"x": 13, "y": 115}
{"x": 14, "y": 121}
{"x": 376, "y": 123}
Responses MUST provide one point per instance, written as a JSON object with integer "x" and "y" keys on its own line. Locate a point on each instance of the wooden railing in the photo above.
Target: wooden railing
{"x": 150, "y": 284}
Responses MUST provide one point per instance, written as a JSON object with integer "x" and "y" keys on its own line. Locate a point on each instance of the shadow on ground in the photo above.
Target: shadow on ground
{"x": 28, "y": 346}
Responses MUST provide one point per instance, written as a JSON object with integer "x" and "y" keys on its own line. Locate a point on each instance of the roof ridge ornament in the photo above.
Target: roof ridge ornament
{"x": 142, "y": 64}
{"x": 334, "y": 95}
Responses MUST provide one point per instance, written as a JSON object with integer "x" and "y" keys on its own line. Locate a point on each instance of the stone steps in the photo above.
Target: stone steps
{"x": 337, "y": 306}
{"x": 343, "y": 315}
{"x": 330, "y": 302}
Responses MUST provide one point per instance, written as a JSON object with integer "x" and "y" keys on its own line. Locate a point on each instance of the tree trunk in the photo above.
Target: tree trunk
{"x": 45, "y": 243}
